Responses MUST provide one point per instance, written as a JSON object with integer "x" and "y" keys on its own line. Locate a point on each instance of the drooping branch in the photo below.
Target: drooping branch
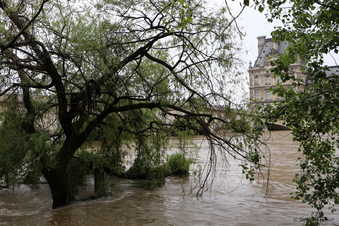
{"x": 327, "y": 5}
{"x": 7, "y": 90}
{"x": 28, "y": 124}
{"x": 171, "y": 69}
{"x": 135, "y": 55}
{"x": 10, "y": 44}
{"x": 47, "y": 63}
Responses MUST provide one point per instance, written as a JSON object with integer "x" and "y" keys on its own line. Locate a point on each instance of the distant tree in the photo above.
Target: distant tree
{"x": 108, "y": 70}
{"x": 312, "y": 29}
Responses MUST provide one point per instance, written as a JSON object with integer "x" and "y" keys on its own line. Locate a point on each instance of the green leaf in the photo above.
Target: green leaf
{"x": 261, "y": 8}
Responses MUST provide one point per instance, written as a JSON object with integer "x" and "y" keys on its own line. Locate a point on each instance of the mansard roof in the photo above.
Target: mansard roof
{"x": 269, "y": 48}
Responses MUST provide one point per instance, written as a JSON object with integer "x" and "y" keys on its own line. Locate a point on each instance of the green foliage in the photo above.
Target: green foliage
{"x": 176, "y": 165}
{"x": 248, "y": 171}
{"x": 84, "y": 163}
{"x": 111, "y": 72}
{"x": 238, "y": 126}
{"x": 111, "y": 138}
{"x": 179, "y": 164}
{"x": 185, "y": 125}
{"x": 250, "y": 167}
{"x": 12, "y": 145}
{"x": 236, "y": 120}
{"x": 150, "y": 154}
{"x": 155, "y": 177}
{"x": 20, "y": 152}
{"x": 311, "y": 27}
{"x": 77, "y": 169}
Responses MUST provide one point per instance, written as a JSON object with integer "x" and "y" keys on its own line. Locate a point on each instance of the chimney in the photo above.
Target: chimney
{"x": 261, "y": 43}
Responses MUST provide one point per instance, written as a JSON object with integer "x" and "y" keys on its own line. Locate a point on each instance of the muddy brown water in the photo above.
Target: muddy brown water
{"x": 232, "y": 200}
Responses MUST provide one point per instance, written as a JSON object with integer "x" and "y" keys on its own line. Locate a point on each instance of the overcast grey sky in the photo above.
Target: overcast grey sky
{"x": 252, "y": 24}
{"x": 255, "y": 24}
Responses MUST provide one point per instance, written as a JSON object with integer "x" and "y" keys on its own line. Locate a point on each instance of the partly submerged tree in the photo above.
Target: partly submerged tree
{"x": 312, "y": 29}
{"x": 114, "y": 70}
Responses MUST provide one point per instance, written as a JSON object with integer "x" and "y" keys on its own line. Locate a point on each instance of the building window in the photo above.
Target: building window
{"x": 292, "y": 77}
{"x": 279, "y": 80}
{"x": 256, "y": 80}
{"x": 268, "y": 95}
{"x": 256, "y": 94}
{"x": 268, "y": 80}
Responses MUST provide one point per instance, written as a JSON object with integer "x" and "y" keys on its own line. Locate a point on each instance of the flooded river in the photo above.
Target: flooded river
{"x": 232, "y": 201}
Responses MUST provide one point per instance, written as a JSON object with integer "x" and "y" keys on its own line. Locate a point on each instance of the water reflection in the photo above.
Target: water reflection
{"x": 232, "y": 201}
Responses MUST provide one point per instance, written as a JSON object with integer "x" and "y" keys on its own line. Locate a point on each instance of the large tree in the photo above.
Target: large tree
{"x": 312, "y": 29}
{"x": 74, "y": 70}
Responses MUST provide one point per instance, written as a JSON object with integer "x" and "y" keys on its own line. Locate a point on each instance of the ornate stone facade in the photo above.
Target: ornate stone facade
{"x": 260, "y": 76}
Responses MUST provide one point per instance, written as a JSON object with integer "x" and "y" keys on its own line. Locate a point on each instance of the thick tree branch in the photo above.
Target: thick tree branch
{"x": 327, "y": 6}
{"x": 9, "y": 45}
{"x": 49, "y": 66}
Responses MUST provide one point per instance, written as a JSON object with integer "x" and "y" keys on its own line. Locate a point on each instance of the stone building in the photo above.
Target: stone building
{"x": 260, "y": 77}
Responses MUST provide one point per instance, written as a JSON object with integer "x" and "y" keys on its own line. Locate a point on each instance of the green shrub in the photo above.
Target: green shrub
{"x": 179, "y": 164}
{"x": 156, "y": 176}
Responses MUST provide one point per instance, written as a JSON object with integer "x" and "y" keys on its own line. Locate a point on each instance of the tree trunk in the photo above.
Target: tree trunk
{"x": 99, "y": 182}
{"x": 59, "y": 185}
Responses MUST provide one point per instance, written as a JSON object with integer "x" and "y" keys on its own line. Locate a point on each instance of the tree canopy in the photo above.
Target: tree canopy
{"x": 111, "y": 70}
{"x": 311, "y": 28}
